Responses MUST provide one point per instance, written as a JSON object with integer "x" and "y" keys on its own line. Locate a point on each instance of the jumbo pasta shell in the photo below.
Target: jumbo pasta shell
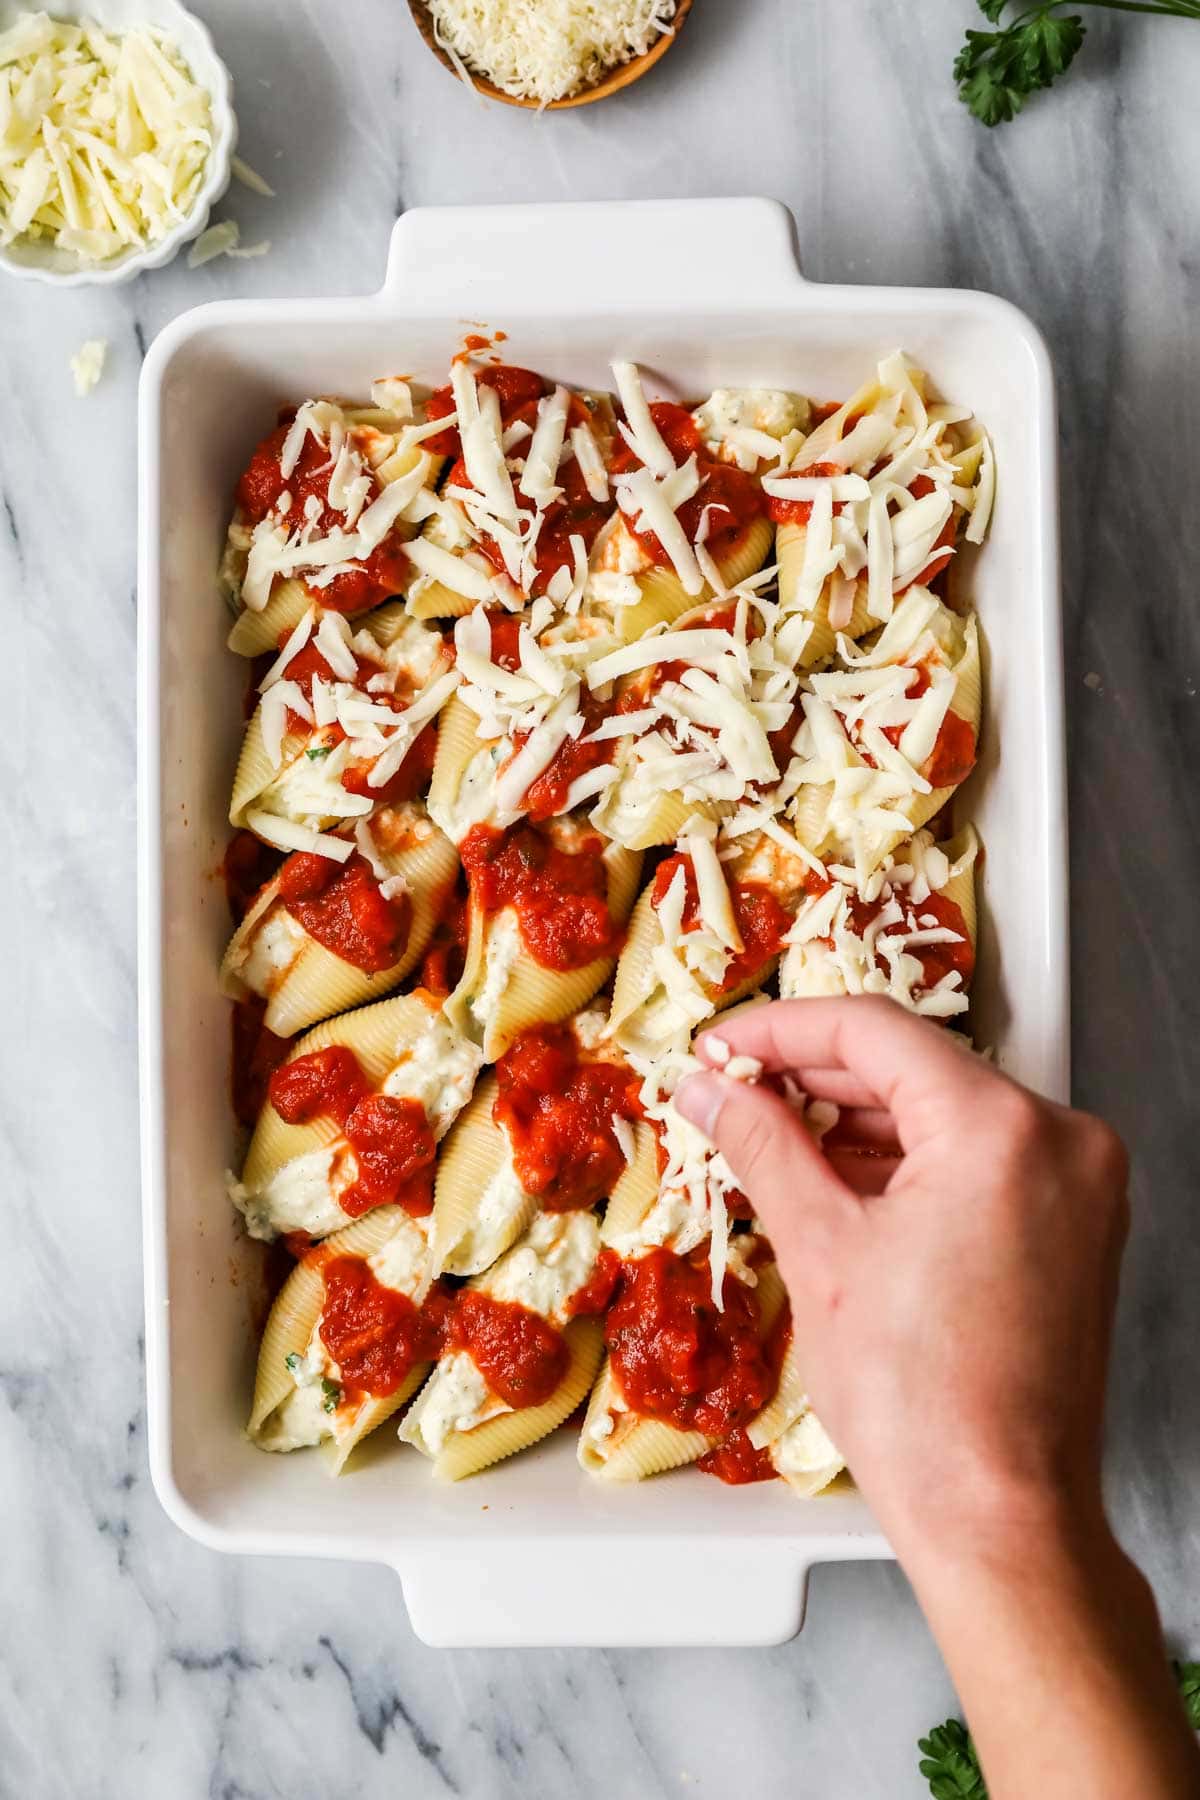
{"x": 321, "y": 983}
{"x": 666, "y": 818}
{"x": 255, "y": 770}
{"x": 635, "y": 980}
{"x": 664, "y": 597}
{"x": 636, "y": 1188}
{"x": 374, "y": 1411}
{"x": 635, "y": 1448}
{"x": 255, "y": 632}
{"x": 437, "y": 601}
{"x": 458, "y": 744}
{"x": 960, "y": 889}
{"x": 787, "y": 1403}
{"x": 639, "y": 1447}
{"x": 379, "y": 1036}
{"x": 298, "y": 1306}
{"x": 475, "y": 1154}
{"x": 967, "y": 702}
{"x": 468, "y": 1452}
{"x": 535, "y": 995}
{"x": 288, "y": 1329}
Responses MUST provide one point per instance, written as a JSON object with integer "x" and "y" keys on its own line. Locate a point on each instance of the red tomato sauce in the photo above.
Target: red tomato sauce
{"x": 378, "y": 576}
{"x": 505, "y": 628}
{"x": 596, "y": 1295}
{"x": 675, "y": 1356}
{"x": 721, "y": 485}
{"x": 392, "y": 1139}
{"x": 760, "y": 918}
{"x": 558, "y": 1107}
{"x": 798, "y": 512}
{"x": 574, "y": 514}
{"x": 943, "y": 549}
{"x": 546, "y": 797}
{"x": 520, "y": 1355}
{"x": 937, "y": 960}
{"x": 954, "y": 750}
{"x": 246, "y": 868}
{"x": 340, "y": 905}
{"x": 737, "y": 1462}
{"x": 411, "y": 779}
{"x": 445, "y": 959}
{"x": 373, "y": 1333}
{"x": 718, "y": 617}
{"x": 515, "y": 388}
{"x": 257, "y": 1053}
{"x": 561, "y": 899}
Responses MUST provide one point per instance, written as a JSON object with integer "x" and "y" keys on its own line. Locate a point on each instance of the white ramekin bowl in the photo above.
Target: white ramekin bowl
{"x": 44, "y": 262}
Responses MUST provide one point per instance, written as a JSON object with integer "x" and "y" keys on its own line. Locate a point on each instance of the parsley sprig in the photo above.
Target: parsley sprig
{"x": 1187, "y": 1676}
{"x": 997, "y": 71}
{"x": 950, "y": 1765}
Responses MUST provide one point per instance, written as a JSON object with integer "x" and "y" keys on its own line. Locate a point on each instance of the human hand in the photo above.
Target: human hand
{"x": 951, "y": 1255}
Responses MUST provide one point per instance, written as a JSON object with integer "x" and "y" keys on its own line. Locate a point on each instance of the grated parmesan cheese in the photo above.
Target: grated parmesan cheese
{"x": 104, "y": 137}
{"x": 536, "y": 51}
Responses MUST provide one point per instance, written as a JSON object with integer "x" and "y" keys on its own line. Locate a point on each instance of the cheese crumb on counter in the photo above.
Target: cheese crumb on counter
{"x": 539, "y": 52}
{"x": 87, "y": 365}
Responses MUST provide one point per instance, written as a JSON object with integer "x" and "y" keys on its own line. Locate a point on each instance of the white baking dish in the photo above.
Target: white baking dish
{"x": 700, "y": 294}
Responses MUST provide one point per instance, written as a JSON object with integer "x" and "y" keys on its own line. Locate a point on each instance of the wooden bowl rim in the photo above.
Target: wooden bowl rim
{"x": 622, "y": 76}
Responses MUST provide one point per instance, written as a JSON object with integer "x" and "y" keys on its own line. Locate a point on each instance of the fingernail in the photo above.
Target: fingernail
{"x": 700, "y": 1099}
{"x": 713, "y": 1049}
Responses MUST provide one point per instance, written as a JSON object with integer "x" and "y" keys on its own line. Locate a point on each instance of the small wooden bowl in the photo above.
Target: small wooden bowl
{"x": 624, "y": 75}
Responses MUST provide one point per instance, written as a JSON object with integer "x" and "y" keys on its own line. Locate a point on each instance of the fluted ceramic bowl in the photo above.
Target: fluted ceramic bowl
{"x": 38, "y": 261}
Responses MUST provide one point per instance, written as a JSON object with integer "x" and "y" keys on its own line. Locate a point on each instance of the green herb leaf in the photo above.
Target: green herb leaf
{"x": 996, "y": 71}
{"x": 1187, "y": 1674}
{"x": 332, "y": 1393}
{"x": 319, "y": 750}
{"x": 292, "y": 1360}
{"x": 1049, "y": 45}
{"x": 950, "y": 1765}
{"x": 989, "y": 77}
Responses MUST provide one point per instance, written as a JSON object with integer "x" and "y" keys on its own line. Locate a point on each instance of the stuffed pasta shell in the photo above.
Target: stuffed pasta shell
{"x": 557, "y": 1127}
{"x": 323, "y": 511}
{"x": 789, "y": 1438}
{"x": 353, "y": 1119}
{"x": 871, "y": 504}
{"x": 345, "y": 926}
{"x": 907, "y": 931}
{"x": 889, "y": 733}
{"x": 705, "y": 932}
{"x": 522, "y": 1350}
{"x": 708, "y": 708}
{"x": 689, "y": 524}
{"x": 681, "y": 1373}
{"x": 525, "y": 496}
{"x": 547, "y": 908}
{"x": 350, "y": 1338}
{"x": 346, "y": 722}
{"x": 523, "y": 737}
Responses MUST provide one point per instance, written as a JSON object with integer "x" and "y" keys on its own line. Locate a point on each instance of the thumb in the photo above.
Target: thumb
{"x": 778, "y": 1164}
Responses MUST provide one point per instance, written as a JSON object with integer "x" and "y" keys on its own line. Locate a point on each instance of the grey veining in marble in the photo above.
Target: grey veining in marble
{"x": 133, "y": 1662}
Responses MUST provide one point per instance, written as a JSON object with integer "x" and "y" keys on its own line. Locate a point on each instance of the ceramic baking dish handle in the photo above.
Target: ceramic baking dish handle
{"x": 720, "y": 252}
{"x": 575, "y": 1592}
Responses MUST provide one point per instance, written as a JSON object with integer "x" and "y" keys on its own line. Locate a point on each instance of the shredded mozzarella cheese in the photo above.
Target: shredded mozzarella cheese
{"x": 104, "y": 137}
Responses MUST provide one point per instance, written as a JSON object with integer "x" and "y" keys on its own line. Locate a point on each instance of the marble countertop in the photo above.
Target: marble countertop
{"x": 133, "y": 1661}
